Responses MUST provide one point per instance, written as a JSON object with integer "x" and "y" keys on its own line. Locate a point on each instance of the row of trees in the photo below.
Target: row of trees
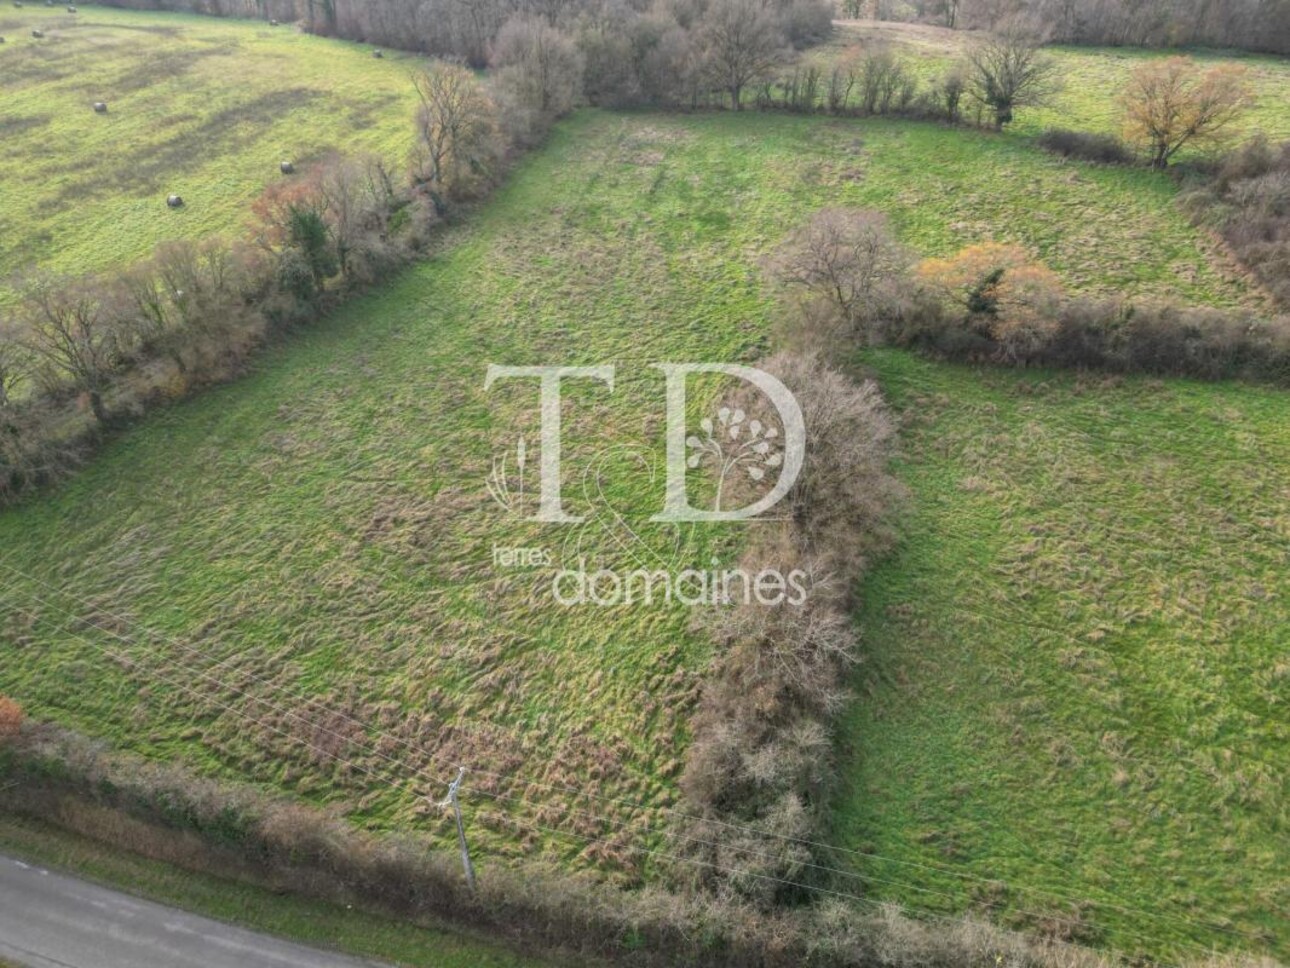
{"x": 1260, "y": 25}
{"x": 77, "y": 353}
{"x": 540, "y": 71}
{"x": 1167, "y": 103}
{"x": 615, "y": 52}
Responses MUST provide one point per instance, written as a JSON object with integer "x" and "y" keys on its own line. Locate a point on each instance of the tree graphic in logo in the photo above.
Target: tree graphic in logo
{"x": 734, "y": 443}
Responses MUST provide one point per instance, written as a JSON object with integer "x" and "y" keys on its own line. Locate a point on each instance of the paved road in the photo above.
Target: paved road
{"x": 48, "y": 920}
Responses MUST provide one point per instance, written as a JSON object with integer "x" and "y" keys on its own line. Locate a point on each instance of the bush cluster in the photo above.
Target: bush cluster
{"x": 682, "y": 53}
{"x": 1117, "y": 335}
{"x": 1247, "y": 199}
{"x": 873, "y": 83}
{"x": 1102, "y": 149}
{"x": 761, "y": 757}
{"x": 846, "y": 282}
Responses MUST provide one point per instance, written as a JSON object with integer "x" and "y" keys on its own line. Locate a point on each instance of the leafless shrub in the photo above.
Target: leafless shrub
{"x": 1102, "y": 149}
{"x": 949, "y": 91}
{"x": 760, "y": 752}
{"x": 1247, "y": 199}
{"x": 844, "y": 497}
{"x": 886, "y": 86}
{"x": 842, "y": 81}
{"x": 849, "y": 261}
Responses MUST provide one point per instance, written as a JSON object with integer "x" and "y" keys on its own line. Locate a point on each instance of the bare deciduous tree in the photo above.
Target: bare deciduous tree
{"x": 1009, "y": 71}
{"x": 357, "y": 201}
{"x": 743, "y": 44}
{"x": 849, "y": 259}
{"x": 67, "y": 329}
{"x": 1172, "y": 103}
{"x": 456, "y": 130}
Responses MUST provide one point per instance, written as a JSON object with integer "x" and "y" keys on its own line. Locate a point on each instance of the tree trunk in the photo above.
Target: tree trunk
{"x": 96, "y": 406}
{"x": 735, "y": 91}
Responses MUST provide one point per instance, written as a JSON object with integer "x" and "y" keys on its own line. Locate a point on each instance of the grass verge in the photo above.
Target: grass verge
{"x": 286, "y": 916}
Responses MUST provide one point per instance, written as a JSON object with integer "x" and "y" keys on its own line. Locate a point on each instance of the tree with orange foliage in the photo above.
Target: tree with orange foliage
{"x": 1011, "y": 297}
{"x": 11, "y": 717}
{"x": 1171, "y": 103}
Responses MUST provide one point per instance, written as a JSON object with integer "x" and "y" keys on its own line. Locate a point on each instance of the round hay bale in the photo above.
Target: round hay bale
{"x": 273, "y": 23}
{"x": 287, "y": 168}
{"x": 378, "y": 54}
{"x": 71, "y": 8}
{"x": 18, "y": 4}
{"x": 100, "y": 107}
{"x": 38, "y": 34}
{"x": 174, "y": 201}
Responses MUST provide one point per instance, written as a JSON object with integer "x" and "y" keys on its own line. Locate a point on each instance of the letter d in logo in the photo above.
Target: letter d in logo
{"x": 676, "y": 505}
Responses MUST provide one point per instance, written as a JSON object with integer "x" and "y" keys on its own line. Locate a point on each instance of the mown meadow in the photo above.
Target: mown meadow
{"x": 199, "y": 107}
{"x": 1041, "y": 649}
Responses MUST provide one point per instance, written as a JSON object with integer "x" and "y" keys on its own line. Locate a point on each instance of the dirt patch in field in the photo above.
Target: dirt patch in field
{"x": 154, "y": 66}
{"x": 14, "y": 126}
{"x": 161, "y": 31}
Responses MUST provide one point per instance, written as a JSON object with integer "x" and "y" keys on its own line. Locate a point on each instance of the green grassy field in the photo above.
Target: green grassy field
{"x": 323, "y": 525}
{"x": 1091, "y": 77}
{"x": 201, "y": 107}
{"x": 1077, "y": 660}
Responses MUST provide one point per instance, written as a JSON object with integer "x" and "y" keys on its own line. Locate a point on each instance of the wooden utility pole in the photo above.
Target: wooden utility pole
{"x": 461, "y": 827}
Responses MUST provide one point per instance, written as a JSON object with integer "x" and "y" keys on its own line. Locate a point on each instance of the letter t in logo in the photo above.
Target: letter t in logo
{"x": 549, "y": 507}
